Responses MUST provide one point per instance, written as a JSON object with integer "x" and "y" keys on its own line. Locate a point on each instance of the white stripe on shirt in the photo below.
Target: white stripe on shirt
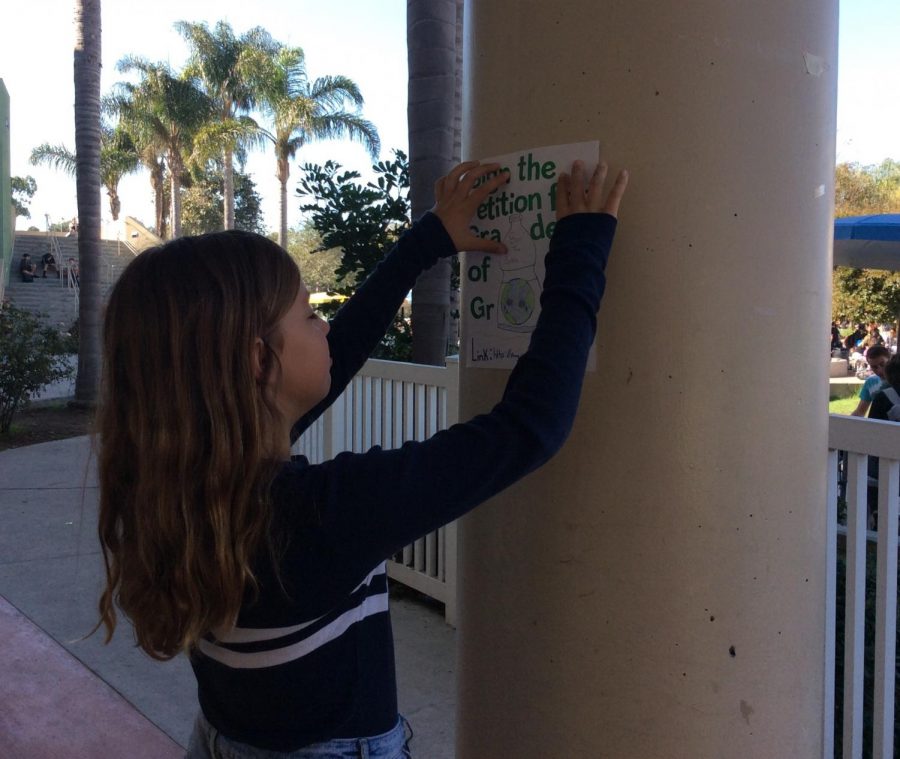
{"x": 372, "y": 605}
{"x": 254, "y": 634}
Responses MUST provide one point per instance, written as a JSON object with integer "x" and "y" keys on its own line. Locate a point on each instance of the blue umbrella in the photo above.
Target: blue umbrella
{"x": 868, "y": 242}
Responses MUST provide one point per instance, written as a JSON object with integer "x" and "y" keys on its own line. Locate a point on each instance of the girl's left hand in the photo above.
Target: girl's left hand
{"x": 457, "y": 199}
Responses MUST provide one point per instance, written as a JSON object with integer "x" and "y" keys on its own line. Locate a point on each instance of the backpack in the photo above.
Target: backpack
{"x": 894, "y": 411}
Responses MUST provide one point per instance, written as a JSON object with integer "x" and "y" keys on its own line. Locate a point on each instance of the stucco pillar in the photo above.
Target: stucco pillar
{"x": 658, "y": 589}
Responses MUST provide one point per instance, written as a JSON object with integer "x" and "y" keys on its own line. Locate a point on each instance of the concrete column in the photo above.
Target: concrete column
{"x": 658, "y": 589}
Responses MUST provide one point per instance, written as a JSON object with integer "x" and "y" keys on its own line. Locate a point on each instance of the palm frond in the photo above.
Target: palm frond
{"x": 334, "y": 126}
{"x": 334, "y": 91}
{"x": 54, "y": 156}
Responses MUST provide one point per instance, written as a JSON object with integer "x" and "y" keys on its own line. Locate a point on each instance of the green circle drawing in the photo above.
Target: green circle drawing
{"x": 516, "y": 301}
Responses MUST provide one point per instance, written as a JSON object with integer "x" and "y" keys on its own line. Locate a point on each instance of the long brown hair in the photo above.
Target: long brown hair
{"x": 185, "y": 433}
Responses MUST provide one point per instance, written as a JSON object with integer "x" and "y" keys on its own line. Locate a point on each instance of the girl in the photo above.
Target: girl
{"x": 267, "y": 571}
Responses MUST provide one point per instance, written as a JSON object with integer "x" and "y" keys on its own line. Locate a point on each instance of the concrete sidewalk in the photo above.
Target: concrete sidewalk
{"x": 51, "y": 573}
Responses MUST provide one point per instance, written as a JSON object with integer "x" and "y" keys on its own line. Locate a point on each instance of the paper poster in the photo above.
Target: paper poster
{"x": 501, "y": 294}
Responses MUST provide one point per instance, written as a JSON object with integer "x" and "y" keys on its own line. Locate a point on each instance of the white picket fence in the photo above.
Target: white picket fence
{"x": 386, "y": 404}
{"x": 851, "y": 441}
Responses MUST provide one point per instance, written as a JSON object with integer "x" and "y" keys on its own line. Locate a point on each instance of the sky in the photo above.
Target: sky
{"x": 362, "y": 39}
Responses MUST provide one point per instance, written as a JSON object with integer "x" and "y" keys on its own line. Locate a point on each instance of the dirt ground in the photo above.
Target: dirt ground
{"x": 38, "y": 424}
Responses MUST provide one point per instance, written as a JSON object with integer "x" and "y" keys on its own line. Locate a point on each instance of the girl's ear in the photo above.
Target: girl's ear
{"x": 258, "y": 359}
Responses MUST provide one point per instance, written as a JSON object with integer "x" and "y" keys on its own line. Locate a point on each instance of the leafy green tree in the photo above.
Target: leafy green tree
{"x": 23, "y": 190}
{"x": 203, "y": 209}
{"x": 227, "y": 68}
{"x": 32, "y": 356}
{"x": 362, "y": 221}
{"x": 861, "y": 190}
{"x": 164, "y": 113}
{"x": 317, "y": 266}
{"x": 862, "y": 295}
{"x": 118, "y": 157}
{"x": 301, "y": 111}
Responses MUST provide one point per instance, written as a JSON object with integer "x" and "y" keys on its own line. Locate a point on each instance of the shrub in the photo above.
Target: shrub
{"x": 70, "y": 338}
{"x": 32, "y": 356}
{"x": 363, "y": 222}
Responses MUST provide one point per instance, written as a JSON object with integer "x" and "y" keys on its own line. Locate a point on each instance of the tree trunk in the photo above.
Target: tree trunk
{"x": 453, "y": 336}
{"x": 284, "y": 171}
{"x": 87, "y": 178}
{"x": 115, "y": 203}
{"x": 228, "y": 189}
{"x": 157, "y": 182}
{"x": 431, "y": 48}
{"x": 175, "y": 168}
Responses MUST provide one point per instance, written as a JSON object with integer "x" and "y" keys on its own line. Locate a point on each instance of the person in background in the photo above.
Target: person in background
{"x": 48, "y": 262}
{"x": 873, "y": 337}
{"x": 855, "y": 337}
{"x": 836, "y": 342}
{"x": 883, "y": 403}
{"x": 887, "y": 332}
{"x": 26, "y": 268}
{"x": 877, "y": 358}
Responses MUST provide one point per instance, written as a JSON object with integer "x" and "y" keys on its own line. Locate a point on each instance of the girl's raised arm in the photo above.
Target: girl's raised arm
{"x": 362, "y": 321}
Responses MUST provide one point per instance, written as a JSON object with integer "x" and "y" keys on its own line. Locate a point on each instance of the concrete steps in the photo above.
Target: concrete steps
{"x": 57, "y": 305}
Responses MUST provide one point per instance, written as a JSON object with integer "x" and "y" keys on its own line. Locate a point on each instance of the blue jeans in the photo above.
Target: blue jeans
{"x": 207, "y": 743}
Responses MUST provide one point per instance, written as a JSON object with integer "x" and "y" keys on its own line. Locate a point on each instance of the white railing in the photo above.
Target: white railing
{"x": 386, "y": 404}
{"x": 851, "y": 441}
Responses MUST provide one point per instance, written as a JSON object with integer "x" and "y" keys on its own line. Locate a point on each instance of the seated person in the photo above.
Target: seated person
{"x": 883, "y": 403}
{"x": 836, "y": 342}
{"x": 873, "y": 337}
{"x": 26, "y": 268}
{"x": 855, "y": 337}
{"x": 857, "y": 362}
{"x": 877, "y": 358}
{"x": 48, "y": 261}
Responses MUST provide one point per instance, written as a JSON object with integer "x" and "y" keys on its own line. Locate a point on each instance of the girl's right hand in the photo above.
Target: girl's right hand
{"x": 573, "y": 197}
{"x": 457, "y": 199}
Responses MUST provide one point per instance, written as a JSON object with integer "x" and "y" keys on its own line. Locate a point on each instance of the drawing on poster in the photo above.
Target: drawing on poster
{"x": 501, "y": 294}
{"x": 520, "y": 288}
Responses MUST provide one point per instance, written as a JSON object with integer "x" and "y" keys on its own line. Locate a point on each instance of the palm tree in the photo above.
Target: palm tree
{"x": 118, "y": 157}
{"x": 155, "y": 164}
{"x": 224, "y": 64}
{"x": 302, "y": 111}
{"x": 87, "y": 183}
{"x": 149, "y": 154}
{"x": 166, "y": 112}
{"x": 433, "y": 49}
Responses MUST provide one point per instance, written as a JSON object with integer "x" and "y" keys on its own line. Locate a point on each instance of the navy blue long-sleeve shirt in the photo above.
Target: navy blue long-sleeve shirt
{"x": 311, "y": 657}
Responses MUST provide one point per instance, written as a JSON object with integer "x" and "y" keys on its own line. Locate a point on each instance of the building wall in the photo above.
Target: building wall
{"x": 7, "y": 219}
